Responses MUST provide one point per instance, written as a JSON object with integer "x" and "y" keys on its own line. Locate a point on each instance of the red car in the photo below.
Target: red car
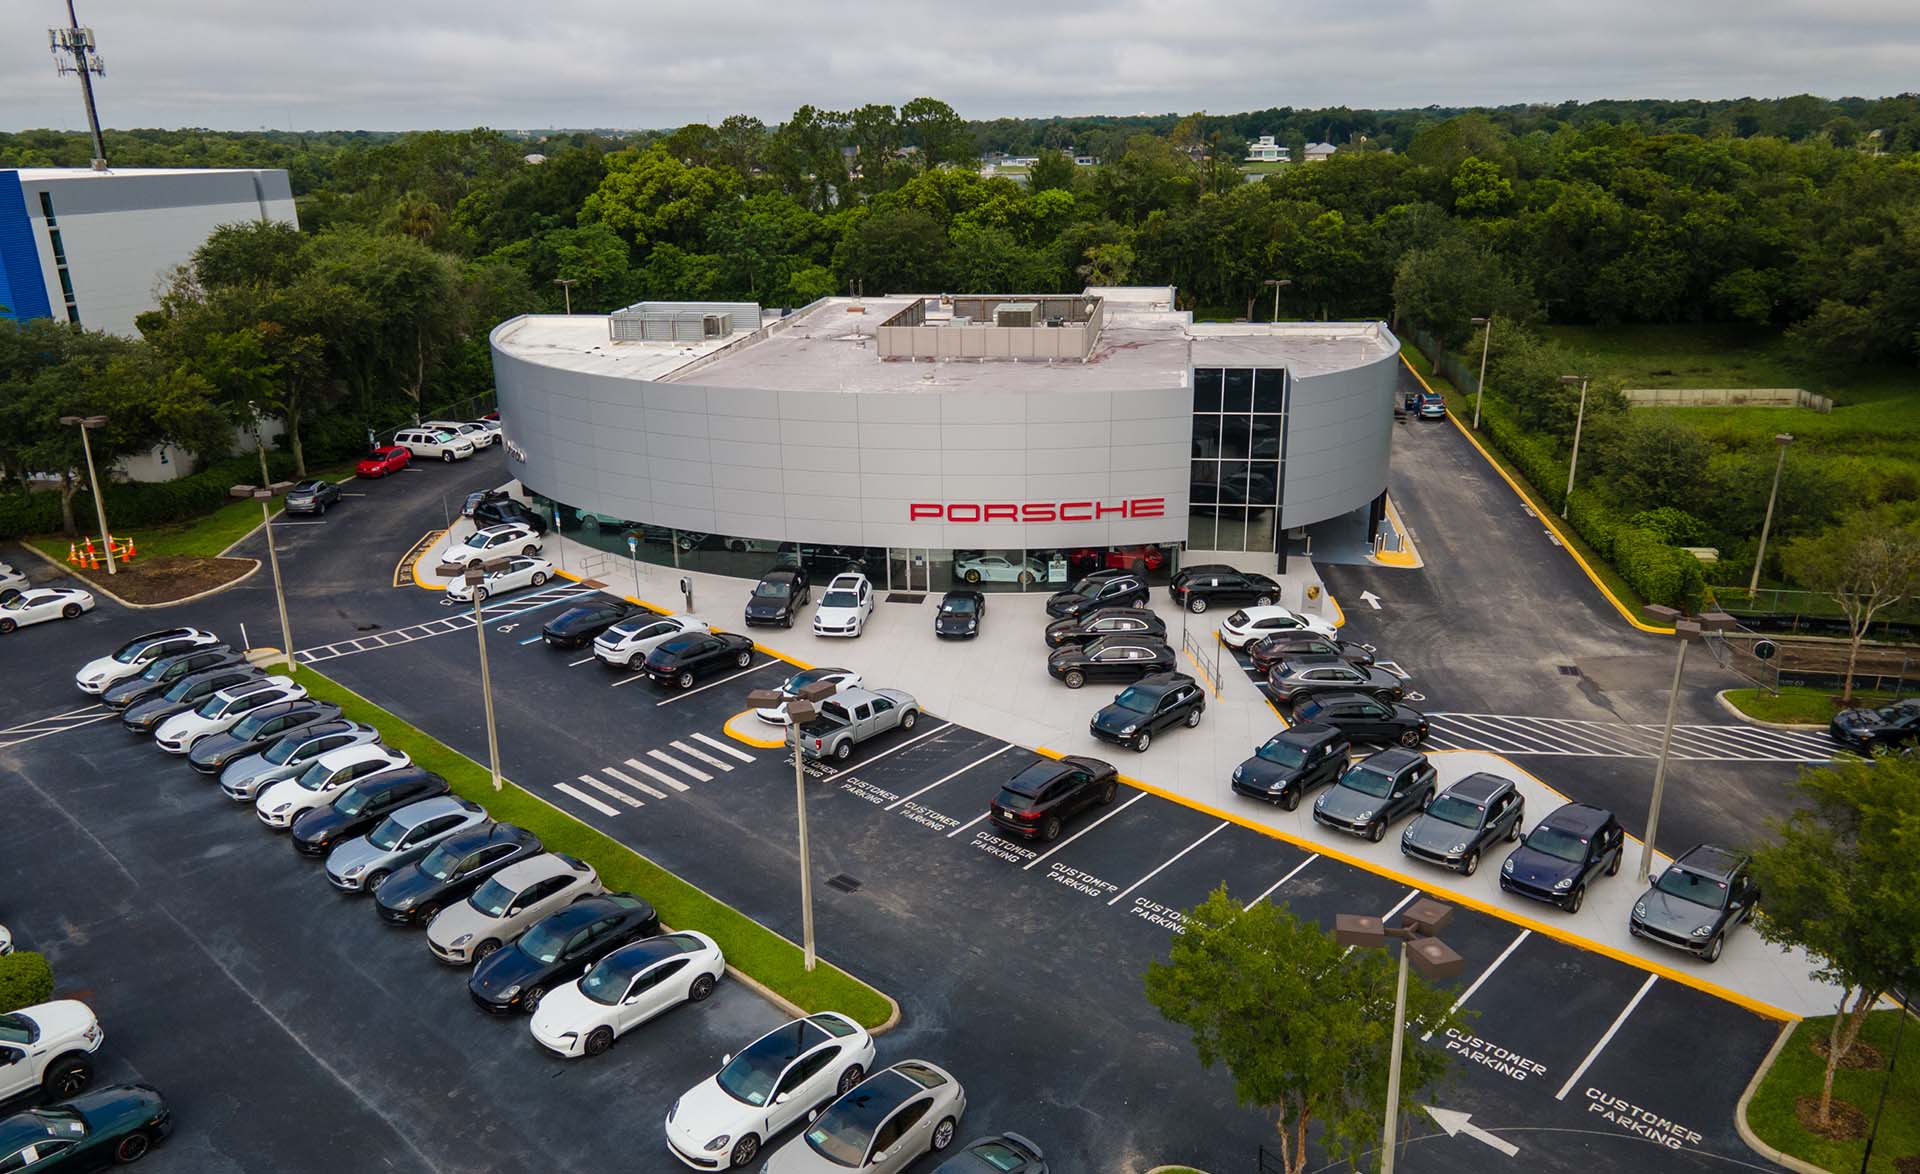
{"x": 382, "y": 461}
{"x": 1125, "y": 558}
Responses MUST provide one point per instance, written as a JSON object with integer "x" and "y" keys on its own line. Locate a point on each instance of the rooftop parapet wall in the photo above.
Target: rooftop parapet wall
{"x": 968, "y": 327}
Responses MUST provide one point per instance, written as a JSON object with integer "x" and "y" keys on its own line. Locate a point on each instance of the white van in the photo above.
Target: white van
{"x": 428, "y": 442}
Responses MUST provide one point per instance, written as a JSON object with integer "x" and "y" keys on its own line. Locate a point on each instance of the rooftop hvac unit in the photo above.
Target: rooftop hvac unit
{"x": 1015, "y": 313}
{"x": 717, "y": 325}
{"x": 962, "y": 321}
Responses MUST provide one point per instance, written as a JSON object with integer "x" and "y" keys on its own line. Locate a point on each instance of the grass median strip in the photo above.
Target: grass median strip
{"x": 1778, "y": 1116}
{"x": 1797, "y": 704}
{"x": 754, "y": 949}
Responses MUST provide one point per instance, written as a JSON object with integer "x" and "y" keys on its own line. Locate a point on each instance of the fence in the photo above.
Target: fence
{"x": 1727, "y": 397}
{"x": 1815, "y": 662}
{"x": 1796, "y": 611}
{"x": 1204, "y": 647}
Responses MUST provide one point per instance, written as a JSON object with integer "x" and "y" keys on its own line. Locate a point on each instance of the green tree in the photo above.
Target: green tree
{"x": 1837, "y": 878}
{"x": 1304, "y": 1025}
{"x": 940, "y": 135}
{"x": 1480, "y": 189}
{"x": 897, "y": 250}
{"x": 1869, "y": 563}
{"x": 650, "y": 197}
{"x": 1052, "y": 171}
{"x": 1443, "y": 287}
{"x": 1656, "y": 462}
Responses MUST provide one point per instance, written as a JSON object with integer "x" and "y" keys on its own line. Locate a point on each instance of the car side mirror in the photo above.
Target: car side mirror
{"x": 879, "y": 1156}
{"x": 783, "y": 1098}
{"x": 726, "y": 1058}
{"x": 812, "y": 1115}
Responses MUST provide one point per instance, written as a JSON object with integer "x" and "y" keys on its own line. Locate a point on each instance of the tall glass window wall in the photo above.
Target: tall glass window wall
{"x": 1239, "y": 432}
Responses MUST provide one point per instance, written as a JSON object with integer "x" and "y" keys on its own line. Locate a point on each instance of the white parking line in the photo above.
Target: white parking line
{"x": 692, "y": 772}
{"x": 1606, "y": 1039}
{"x": 659, "y": 776}
{"x": 1083, "y": 831}
{"x": 574, "y": 664}
{"x": 1404, "y": 902}
{"x": 1484, "y": 976}
{"x": 700, "y": 755}
{"x": 637, "y": 676}
{"x": 636, "y": 784}
{"x": 721, "y": 681}
{"x": 589, "y": 800}
{"x": 61, "y": 730}
{"x": 1177, "y": 855}
{"x": 723, "y": 748}
{"x": 867, "y": 762}
{"x": 1283, "y": 880}
{"x": 597, "y": 785}
{"x": 956, "y": 774}
{"x": 976, "y": 819}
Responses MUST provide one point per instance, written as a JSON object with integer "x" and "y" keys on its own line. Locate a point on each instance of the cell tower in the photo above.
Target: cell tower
{"x": 74, "y": 51}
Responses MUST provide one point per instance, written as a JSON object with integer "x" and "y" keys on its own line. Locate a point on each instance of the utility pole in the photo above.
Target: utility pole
{"x": 74, "y": 51}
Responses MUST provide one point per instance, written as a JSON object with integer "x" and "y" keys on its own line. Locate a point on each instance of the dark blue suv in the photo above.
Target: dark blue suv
{"x": 1563, "y": 854}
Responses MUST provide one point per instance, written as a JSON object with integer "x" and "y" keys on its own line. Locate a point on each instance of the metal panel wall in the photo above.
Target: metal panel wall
{"x": 1339, "y": 438}
{"x": 23, "y": 288}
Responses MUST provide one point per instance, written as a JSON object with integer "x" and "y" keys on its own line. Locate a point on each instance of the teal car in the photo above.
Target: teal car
{"x": 105, "y": 1127}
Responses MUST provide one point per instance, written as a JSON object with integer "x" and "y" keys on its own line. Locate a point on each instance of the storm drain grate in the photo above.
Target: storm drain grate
{"x": 904, "y": 597}
{"x": 844, "y": 883}
{"x": 1569, "y": 670}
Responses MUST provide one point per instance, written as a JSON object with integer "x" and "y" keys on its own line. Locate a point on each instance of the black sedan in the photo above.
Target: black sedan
{"x": 1376, "y": 791}
{"x": 143, "y": 717}
{"x": 1110, "y": 658}
{"x": 1269, "y": 651}
{"x": 258, "y": 730}
{"x": 1363, "y": 718}
{"x": 1563, "y": 854}
{"x": 505, "y": 510}
{"x": 481, "y": 497}
{"x": 355, "y": 811}
{"x": 1036, "y": 803}
{"x": 1108, "y": 621}
{"x": 685, "y": 659}
{"x": 451, "y": 871}
{"x": 576, "y": 627}
{"x": 105, "y": 1127}
{"x": 1866, "y": 730}
{"x": 1098, "y": 590}
{"x": 161, "y": 675}
{"x": 312, "y": 497}
{"x": 559, "y": 948}
{"x": 1148, "y": 706}
{"x": 960, "y": 614}
{"x": 1465, "y": 822}
{"x": 778, "y": 597}
{"x": 1004, "y": 1153}
{"x": 1291, "y": 763}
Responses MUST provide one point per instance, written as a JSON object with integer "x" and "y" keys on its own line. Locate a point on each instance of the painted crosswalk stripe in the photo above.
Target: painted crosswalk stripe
{"x": 601, "y": 787}
{"x": 660, "y": 776}
{"x": 692, "y": 772}
{"x": 1605, "y": 1039}
{"x": 630, "y": 781}
{"x": 723, "y": 748}
{"x": 589, "y": 800}
{"x": 700, "y": 755}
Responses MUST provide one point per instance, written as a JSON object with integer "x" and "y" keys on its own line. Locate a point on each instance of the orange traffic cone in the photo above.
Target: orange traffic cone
{"x": 73, "y": 554}
{"x": 129, "y": 554}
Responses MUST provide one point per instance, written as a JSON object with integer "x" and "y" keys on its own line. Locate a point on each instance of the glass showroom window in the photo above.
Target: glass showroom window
{"x": 1239, "y": 434}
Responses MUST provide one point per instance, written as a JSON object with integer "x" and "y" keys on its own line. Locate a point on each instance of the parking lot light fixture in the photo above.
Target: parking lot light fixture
{"x": 1580, "y": 418}
{"x": 801, "y": 707}
{"x": 474, "y": 577}
{"x": 1480, "y": 388}
{"x": 1686, "y": 631}
{"x": 263, "y": 496}
{"x": 1278, "y": 283}
{"x": 1436, "y": 961}
{"x": 87, "y": 423}
{"x": 1783, "y": 439}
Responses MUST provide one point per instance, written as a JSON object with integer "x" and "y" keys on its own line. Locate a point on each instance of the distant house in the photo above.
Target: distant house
{"x": 1266, "y": 151}
{"x": 1319, "y": 152}
{"x": 536, "y": 157}
{"x": 1086, "y": 161}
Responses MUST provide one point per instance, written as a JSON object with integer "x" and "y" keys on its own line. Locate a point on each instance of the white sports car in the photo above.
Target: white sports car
{"x": 724, "y": 1121}
{"x": 625, "y": 989}
{"x": 39, "y": 604}
{"x": 991, "y": 568}
{"x": 521, "y": 572}
{"x": 839, "y": 678}
{"x": 1248, "y": 624}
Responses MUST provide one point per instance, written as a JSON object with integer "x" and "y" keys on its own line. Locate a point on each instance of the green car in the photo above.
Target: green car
{"x": 108, "y": 1126}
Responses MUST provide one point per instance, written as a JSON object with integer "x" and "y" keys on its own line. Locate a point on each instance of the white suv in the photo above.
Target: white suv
{"x": 220, "y": 712}
{"x": 426, "y": 442}
{"x": 323, "y": 781}
{"x": 132, "y": 658}
{"x": 844, "y": 606}
{"x": 46, "y": 1047}
{"x": 479, "y": 434}
{"x": 494, "y": 542}
{"x": 626, "y": 644}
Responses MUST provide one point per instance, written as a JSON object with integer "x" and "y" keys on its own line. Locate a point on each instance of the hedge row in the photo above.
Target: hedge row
{"x": 25, "y": 979}
{"x": 133, "y": 504}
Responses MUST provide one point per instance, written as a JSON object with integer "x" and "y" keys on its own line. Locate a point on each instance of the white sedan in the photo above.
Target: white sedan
{"x": 322, "y": 782}
{"x": 37, "y": 605}
{"x": 1248, "y": 624}
{"x": 222, "y": 711}
{"x": 776, "y": 715}
{"x": 991, "y": 568}
{"x": 626, "y": 644}
{"x": 518, "y": 573}
{"x": 625, "y": 989}
{"x": 725, "y": 1120}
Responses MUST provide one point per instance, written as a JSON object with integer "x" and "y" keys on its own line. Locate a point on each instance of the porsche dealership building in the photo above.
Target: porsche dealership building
{"x": 1019, "y": 439}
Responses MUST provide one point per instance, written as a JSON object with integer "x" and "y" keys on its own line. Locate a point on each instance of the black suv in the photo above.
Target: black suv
{"x": 1376, "y": 791}
{"x": 577, "y": 627}
{"x": 1035, "y": 803}
{"x": 356, "y": 810}
{"x": 1304, "y": 676}
{"x": 1700, "y": 899}
{"x": 684, "y": 659}
{"x": 161, "y": 675}
{"x": 1291, "y": 763}
{"x": 499, "y": 513}
{"x": 1269, "y": 651}
{"x": 1364, "y": 718}
{"x": 1563, "y": 854}
{"x": 1148, "y": 706}
{"x": 482, "y": 497}
{"x": 778, "y": 596}
{"x": 259, "y": 729}
{"x": 454, "y": 869}
{"x": 143, "y": 717}
{"x": 1465, "y": 821}
{"x": 1110, "y": 658}
{"x": 1867, "y": 729}
{"x": 1098, "y": 590}
{"x": 1108, "y": 621}
{"x": 1199, "y": 588}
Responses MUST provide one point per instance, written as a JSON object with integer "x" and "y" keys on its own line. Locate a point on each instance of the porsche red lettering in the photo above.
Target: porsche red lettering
{"x": 1037, "y": 511}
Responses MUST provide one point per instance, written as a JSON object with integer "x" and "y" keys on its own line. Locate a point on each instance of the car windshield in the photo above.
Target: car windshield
{"x": 17, "y": 1029}
{"x": 1556, "y": 843}
{"x": 315, "y": 777}
{"x": 440, "y": 863}
{"x": 544, "y": 942}
{"x": 212, "y": 706}
{"x": 752, "y": 1074}
{"x": 1137, "y": 699}
{"x": 841, "y": 1134}
{"x": 1691, "y": 886}
{"x": 608, "y": 981}
{"x": 838, "y": 599}
{"x": 180, "y": 689}
{"x": 998, "y": 1156}
{"x": 1455, "y": 810}
{"x": 443, "y": 437}
{"x": 773, "y": 589}
{"x": 388, "y": 835}
{"x": 278, "y": 753}
{"x": 1367, "y": 780}
{"x": 17, "y": 603}
{"x": 1281, "y": 752}
{"x": 353, "y": 802}
{"x": 493, "y": 898}
{"x": 962, "y": 606}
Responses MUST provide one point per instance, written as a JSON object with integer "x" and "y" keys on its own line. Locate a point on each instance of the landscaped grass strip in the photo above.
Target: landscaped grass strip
{"x": 1797, "y": 1073}
{"x": 755, "y": 950}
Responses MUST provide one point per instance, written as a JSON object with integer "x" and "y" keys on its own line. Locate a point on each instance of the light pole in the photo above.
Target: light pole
{"x": 1783, "y": 439}
{"x": 1277, "y": 283}
{"x": 1573, "y": 462}
{"x": 263, "y": 496}
{"x": 1480, "y": 388}
{"x": 1905, "y": 1000}
{"x": 566, "y": 287}
{"x": 475, "y": 578}
{"x": 1436, "y": 961}
{"x": 93, "y": 482}
{"x": 1686, "y": 631}
{"x": 800, "y": 710}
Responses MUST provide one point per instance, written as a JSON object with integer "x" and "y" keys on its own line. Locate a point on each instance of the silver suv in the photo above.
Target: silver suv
{"x": 360, "y": 864}
{"x": 244, "y": 778}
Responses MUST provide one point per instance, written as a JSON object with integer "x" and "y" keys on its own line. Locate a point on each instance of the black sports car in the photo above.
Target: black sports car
{"x": 1363, "y": 718}
{"x": 143, "y": 717}
{"x": 960, "y": 614}
{"x": 355, "y": 811}
{"x": 451, "y": 871}
{"x": 576, "y": 627}
{"x": 685, "y": 659}
{"x": 1868, "y": 729}
{"x": 258, "y": 730}
{"x": 778, "y": 596}
{"x": 559, "y": 948}
{"x": 104, "y": 1127}
{"x": 160, "y": 676}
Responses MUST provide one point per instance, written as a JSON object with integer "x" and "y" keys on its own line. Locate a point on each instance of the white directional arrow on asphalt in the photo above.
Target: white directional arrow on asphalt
{"x": 1454, "y": 1123}
{"x": 1372, "y": 600}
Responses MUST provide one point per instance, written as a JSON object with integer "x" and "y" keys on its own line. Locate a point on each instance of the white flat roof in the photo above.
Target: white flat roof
{"x": 45, "y": 174}
{"x": 580, "y": 342}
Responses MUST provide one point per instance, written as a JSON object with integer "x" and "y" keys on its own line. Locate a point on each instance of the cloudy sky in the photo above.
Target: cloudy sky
{"x": 402, "y": 64}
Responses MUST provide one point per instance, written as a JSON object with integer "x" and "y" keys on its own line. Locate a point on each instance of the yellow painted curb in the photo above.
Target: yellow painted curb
{"x": 1408, "y": 556}
{"x": 1544, "y": 514}
{"x": 1425, "y": 885}
{"x": 749, "y": 722}
{"x": 411, "y": 561}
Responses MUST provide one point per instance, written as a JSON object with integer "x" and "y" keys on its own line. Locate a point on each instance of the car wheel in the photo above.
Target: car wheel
{"x": 532, "y": 997}
{"x": 1409, "y": 738}
{"x": 972, "y": 576}
{"x": 374, "y": 878}
{"x": 1107, "y": 793}
{"x": 447, "y": 456}
{"x": 701, "y": 988}
{"x": 744, "y": 659}
{"x": 1196, "y": 605}
{"x": 843, "y": 751}
{"x": 848, "y": 1079}
{"x": 7, "y": 625}
{"x": 943, "y": 1134}
{"x": 1290, "y": 800}
{"x": 1471, "y": 864}
{"x": 1576, "y": 899}
{"x": 908, "y": 719}
{"x": 480, "y": 594}
{"x": 744, "y": 1151}
{"x": 685, "y": 679}
{"x": 1026, "y": 577}
{"x": 1614, "y": 868}
{"x": 1385, "y": 696}
{"x": 1141, "y": 741}
{"x": 131, "y": 1148}
{"x": 68, "y": 1078}
{"x": 484, "y": 948}
{"x": 599, "y": 1040}
{"x": 530, "y": 549}
{"x": 1263, "y": 601}
{"x": 1073, "y": 680}
{"x": 539, "y": 578}
{"x": 1513, "y": 833}
{"x": 1050, "y": 830}
{"x": 1193, "y": 719}
{"x": 70, "y": 611}
{"x": 1376, "y": 831}
{"x": 1712, "y": 952}
{"x": 590, "y": 525}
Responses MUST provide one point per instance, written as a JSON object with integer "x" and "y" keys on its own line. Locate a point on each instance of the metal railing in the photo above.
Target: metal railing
{"x": 1205, "y": 649}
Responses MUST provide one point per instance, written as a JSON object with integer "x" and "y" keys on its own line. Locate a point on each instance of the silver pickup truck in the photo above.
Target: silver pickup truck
{"x": 851, "y": 716}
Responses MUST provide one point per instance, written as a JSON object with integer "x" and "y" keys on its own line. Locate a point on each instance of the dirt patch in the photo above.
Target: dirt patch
{"x": 1908, "y": 1165}
{"x": 1861, "y": 1056}
{"x": 1844, "y": 1121}
{"x": 169, "y": 578}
